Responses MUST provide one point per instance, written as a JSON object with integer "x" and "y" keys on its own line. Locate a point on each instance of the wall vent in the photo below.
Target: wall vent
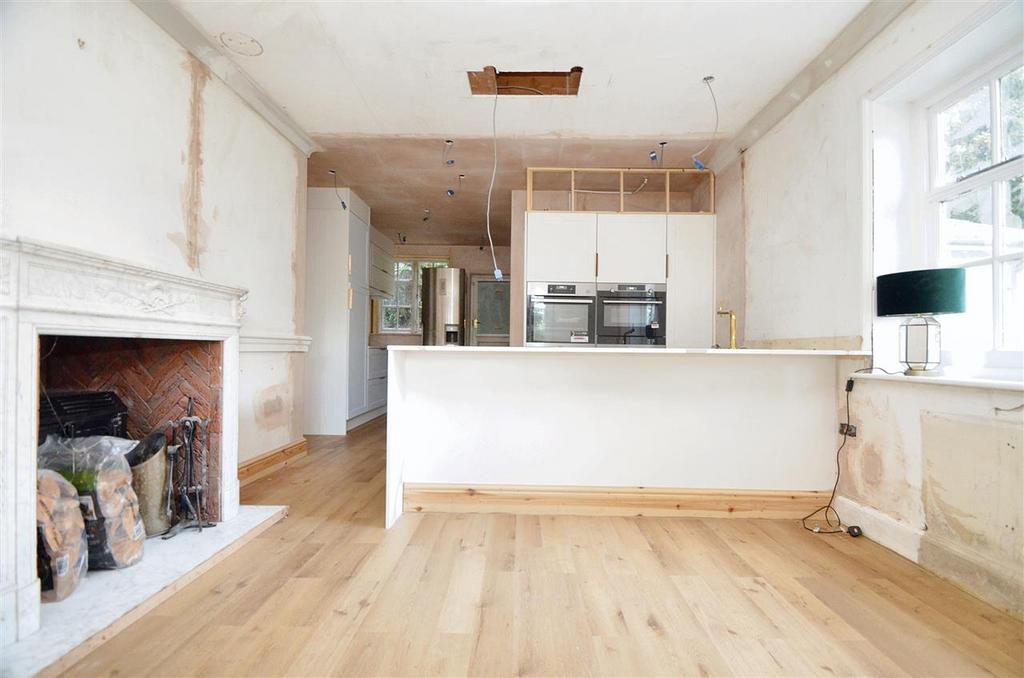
{"x": 525, "y": 83}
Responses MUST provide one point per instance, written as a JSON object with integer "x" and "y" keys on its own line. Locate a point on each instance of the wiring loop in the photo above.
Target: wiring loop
{"x": 696, "y": 156}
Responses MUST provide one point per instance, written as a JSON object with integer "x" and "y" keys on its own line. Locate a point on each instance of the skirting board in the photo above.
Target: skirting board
{"x": 365, "y": 418}
{"x": 610, "y": 501}
{"x": 264, "y": 464}
{"x": 881, "y": 528}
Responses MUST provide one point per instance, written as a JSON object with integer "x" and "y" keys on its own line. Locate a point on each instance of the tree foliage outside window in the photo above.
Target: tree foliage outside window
{"x": 979, "y": 195}
{"x": 402, "y": 313}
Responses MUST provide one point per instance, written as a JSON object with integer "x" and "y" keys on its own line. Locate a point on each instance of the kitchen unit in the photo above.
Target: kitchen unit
{"x": 699, "y": 420}
{"x": 348, "y": 263}
{"x": 673, "y": 251}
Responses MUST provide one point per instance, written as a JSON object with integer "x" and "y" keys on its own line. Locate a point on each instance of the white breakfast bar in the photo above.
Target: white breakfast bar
{"x": 609, "y": 417}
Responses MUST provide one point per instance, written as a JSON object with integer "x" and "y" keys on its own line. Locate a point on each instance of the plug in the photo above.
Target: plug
{"x": 849, "y": 384}
{"x": 497, "y": 274}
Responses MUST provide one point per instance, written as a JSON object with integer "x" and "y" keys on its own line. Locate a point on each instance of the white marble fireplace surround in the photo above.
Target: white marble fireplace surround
{"x": 51, "y": 290}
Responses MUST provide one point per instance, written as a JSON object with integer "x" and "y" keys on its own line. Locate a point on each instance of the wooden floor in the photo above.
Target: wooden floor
{"x": 327, "y": 591}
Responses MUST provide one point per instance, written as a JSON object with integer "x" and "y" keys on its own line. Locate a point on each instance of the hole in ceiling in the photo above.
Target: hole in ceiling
{"x": 525, "y": 83}
{"x": 240, "y": 43}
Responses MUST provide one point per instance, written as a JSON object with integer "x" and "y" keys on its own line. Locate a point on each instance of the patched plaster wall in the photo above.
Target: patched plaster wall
{"x": 117, "y": 141}
{"x": 942, "y": 468}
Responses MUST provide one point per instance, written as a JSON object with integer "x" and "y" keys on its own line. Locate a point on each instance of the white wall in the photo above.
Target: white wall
{"x": 808, "y": 275}
{"x": 118, "y": 142}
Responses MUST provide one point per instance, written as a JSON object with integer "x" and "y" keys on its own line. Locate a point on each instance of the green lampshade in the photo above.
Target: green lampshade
{"x": 928, "y": 292}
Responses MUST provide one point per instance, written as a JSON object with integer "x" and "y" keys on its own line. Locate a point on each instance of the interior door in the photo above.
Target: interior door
{"x": 631, "y": 248}
{"x": 489, "y": 311}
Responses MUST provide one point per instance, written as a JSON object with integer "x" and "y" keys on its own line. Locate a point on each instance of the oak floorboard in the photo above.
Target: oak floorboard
{"x": 328, "y": 591}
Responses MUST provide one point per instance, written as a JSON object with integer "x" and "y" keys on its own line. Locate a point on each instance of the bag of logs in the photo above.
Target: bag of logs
{"x": 63, "y": 549}
{"x": 97, "y": 468}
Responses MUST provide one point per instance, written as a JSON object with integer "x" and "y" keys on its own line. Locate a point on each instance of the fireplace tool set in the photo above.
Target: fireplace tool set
{"x": 190, "y": 480}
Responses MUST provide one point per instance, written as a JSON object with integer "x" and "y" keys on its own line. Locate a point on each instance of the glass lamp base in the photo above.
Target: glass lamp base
{"x": 920, "y": 346}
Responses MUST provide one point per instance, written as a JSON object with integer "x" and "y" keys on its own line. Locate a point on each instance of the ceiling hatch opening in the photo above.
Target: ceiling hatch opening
{"x": 525, "y": 83}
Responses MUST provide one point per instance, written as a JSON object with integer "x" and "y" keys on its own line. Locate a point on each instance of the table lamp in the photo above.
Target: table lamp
{"x": 919, "y": 296}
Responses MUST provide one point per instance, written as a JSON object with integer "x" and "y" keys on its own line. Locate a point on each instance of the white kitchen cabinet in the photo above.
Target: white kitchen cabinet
{"x": 359, "y": 249}
{"x": 340, "y": 242}
{"x": 560, "y": 247}
{"x": 631, "y": 248}
{"x": 377, "y": 377}
{"x": 690, "y": 288}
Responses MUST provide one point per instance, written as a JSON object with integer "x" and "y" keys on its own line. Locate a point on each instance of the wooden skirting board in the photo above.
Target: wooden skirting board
{"x": 610, "y": 501}
{"x": 271, "y": 461}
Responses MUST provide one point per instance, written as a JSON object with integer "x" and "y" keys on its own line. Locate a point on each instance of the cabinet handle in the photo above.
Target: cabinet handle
{"x": 350, "y": 298}
{"x": 597, "y": 265}
{"x": 350, "y": 265}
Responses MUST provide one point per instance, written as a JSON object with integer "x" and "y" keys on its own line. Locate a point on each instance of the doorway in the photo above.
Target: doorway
{"x": 488, "y": 311}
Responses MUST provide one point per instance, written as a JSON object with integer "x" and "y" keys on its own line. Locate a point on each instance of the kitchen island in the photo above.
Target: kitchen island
{"x": 612, "y": 429}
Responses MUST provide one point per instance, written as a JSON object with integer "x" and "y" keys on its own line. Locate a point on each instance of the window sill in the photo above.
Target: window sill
{"x": 990, "y": 384}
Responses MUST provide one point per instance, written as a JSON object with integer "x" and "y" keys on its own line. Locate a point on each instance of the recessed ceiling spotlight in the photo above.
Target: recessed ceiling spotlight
{"x": 240, "y": 43}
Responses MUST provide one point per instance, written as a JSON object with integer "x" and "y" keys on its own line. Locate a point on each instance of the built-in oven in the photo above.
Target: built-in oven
{"x": 631, "y": 314}
{"x": 560, "y": 314}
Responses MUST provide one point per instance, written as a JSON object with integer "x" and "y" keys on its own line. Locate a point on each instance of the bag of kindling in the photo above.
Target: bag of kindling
{"x": 63, "y": 549}
{"x": 97, "y": 468}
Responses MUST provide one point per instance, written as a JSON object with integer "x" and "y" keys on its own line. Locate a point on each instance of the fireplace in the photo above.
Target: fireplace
{"x": 154, "y": 378}
{"x": 71, "y": 319}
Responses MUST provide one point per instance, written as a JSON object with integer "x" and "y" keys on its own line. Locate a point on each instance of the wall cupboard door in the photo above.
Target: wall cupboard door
{"x": 690, "y": 289}
{"x": 359, "y": 333}
{"x": 631, "y": 248}
{"x": 560, "y": 247}
{"x": 359, "y": 253}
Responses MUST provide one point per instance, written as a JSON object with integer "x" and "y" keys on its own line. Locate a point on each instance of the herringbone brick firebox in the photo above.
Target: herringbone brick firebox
{"x": 154, "y": 378}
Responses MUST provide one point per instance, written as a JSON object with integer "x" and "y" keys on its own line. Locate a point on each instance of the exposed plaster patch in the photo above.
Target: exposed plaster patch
{"x": 272, "y": 406}
{"x": 192, "y": 242}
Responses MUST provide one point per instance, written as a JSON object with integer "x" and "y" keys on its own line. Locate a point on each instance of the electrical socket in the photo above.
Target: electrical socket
{"x": 848, "y": 430}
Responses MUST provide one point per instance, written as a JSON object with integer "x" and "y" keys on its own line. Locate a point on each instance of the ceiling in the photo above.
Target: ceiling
{"x": 381, "y": 85}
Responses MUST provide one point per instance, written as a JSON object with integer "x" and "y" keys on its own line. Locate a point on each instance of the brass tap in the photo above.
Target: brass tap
{"x": 732, "y": 326}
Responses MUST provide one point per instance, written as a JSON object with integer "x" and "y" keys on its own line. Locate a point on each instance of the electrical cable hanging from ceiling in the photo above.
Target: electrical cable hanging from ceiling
{"x": 490, "y": 188}
{"x": 696, "y": 156}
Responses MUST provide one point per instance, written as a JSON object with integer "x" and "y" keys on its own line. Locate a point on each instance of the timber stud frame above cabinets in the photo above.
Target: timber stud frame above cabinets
{"x": 653, "y": 190}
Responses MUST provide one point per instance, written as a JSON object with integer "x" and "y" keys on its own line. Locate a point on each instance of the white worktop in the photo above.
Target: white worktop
{"x": 637, "y": 350}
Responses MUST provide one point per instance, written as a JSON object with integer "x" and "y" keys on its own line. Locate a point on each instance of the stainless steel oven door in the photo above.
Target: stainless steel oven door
{"x": 560, "y": 320}
{"x": 624, "y": 319}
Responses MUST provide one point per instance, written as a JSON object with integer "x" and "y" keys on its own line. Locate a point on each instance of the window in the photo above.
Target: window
{"x": 977, "y": 206}
{"x": 401, "y": 313}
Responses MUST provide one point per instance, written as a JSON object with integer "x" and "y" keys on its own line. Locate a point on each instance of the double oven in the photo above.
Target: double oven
{"x": 588, "y": 314}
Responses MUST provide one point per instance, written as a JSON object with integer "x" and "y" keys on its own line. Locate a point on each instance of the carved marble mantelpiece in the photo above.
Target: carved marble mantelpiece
{"x": 51, "y": 290}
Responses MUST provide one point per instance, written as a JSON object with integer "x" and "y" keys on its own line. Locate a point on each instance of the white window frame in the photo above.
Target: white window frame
{"x": 997, "y": 176}
{"x": 417, "y": 322}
